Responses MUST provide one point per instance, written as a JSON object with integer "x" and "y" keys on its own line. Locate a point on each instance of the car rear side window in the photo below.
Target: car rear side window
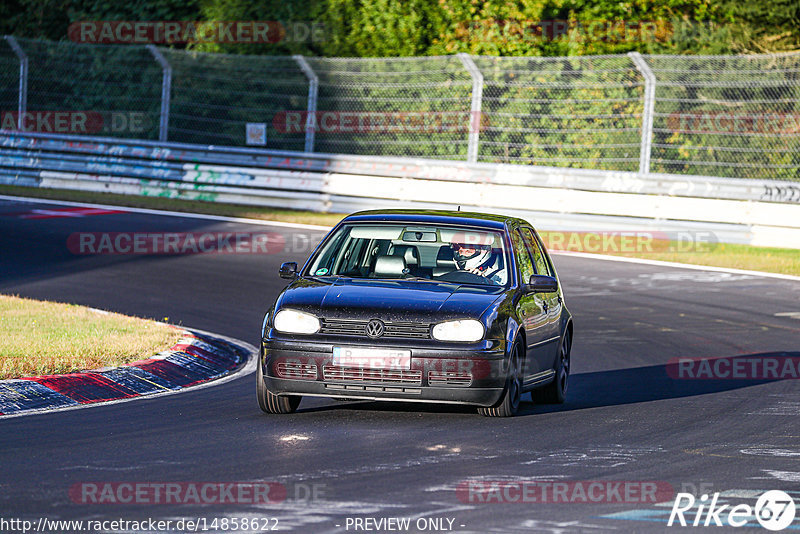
{"x": 550, "y": 268}
{"x": 536, "y": 253}
{"x": 524, "y": 263}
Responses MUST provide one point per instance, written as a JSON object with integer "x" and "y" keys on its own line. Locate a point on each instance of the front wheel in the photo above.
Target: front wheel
{"x": 509, "y": 404}
{"x": 271, "y": 403}
{"x": 556, "y": 391}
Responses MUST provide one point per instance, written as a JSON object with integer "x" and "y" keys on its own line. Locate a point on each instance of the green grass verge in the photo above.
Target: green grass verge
{"x": 775, "y": 260}
{"x": 39, "y": 338}
{"x": 767, "y": 259}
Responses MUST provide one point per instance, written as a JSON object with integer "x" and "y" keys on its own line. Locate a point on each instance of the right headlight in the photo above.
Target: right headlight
{"x": 464, "y": 330}
{"x": 295, "y": 322}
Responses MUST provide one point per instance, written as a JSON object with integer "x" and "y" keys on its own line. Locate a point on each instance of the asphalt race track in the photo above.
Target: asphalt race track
{"x": 625, "y": 418}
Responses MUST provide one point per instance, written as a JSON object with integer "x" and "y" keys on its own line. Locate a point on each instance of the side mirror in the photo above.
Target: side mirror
{"x": 288, "y": 270}
{"x": 540, "y": 283}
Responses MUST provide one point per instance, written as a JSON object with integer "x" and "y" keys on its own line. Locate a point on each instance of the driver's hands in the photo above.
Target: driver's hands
{"x": 475, "y": 271}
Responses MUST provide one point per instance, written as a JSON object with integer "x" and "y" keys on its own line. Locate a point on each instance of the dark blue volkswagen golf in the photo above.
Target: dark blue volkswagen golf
{"x": 421, "y": 306}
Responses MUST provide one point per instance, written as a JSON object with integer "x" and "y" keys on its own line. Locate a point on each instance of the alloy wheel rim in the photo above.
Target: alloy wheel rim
{"x": 515, "y": 380}
{"x": 564, "y": 371}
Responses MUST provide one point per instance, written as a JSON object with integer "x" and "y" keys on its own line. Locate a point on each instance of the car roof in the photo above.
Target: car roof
{"x": 466, "y": 218}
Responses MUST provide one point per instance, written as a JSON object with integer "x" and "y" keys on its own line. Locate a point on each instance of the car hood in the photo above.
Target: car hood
{"x": 392, "y": 300}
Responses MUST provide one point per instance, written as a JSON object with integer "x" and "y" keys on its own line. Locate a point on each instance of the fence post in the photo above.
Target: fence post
{"x": 647, "y": 113}
{"x": 166, "y": 89}
{"x": 22, "y": 104}
{"x": 313, "y": 90}
{"x": 475, "y": 107}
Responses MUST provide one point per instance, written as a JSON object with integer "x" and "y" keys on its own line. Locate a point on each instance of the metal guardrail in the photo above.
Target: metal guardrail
{"x": 753, "y": 211}
{"x": 579, "y": 179}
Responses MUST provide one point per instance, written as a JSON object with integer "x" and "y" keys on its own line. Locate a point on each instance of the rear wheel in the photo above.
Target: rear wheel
{"x": 509, "y": 404}
{"x": 271, "y": 403}
{"x": 556, "y": 391}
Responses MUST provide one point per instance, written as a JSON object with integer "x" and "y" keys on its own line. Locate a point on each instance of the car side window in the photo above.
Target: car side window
{"x": 535, "y": 251}
{"x": 547, "y": 259}
{"x": 524, "y": 263}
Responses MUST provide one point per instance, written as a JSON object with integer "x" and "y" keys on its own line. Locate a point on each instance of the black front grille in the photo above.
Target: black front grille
{"x": 393, "y": 329}
{"x": 443, "y": 378}
{"x": 297, "y": 371}
{"x": 361, "y": 374}
{"x": 343, "y": 327}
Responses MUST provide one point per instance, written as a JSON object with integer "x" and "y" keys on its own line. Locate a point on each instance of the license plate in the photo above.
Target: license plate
{"x": 371, "y": 358}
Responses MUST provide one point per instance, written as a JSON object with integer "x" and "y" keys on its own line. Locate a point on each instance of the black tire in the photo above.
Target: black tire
{"x": 556, "y": 391}
{"x": 509, "y": 403}
{"x": 271, "y": 403}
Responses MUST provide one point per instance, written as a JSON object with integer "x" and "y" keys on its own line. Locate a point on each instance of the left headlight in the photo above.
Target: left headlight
{"x": 295, "y": 322}
{"x": 462, "y": 330}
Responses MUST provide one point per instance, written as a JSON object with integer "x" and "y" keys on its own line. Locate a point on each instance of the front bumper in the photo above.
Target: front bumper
{"x": 443, "y": 375}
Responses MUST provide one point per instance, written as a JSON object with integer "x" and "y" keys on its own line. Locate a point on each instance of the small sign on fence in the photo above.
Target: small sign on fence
{"x": 256, "y": 133}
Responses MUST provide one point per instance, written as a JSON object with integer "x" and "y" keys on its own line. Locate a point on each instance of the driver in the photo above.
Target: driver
{"x": 481, "y": 260}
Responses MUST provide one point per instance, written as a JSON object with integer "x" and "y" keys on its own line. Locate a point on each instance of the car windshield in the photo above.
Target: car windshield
{"x": 414, "y": 252}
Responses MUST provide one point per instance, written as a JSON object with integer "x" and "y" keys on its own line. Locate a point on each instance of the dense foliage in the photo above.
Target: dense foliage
{"x": 426, "y": 27}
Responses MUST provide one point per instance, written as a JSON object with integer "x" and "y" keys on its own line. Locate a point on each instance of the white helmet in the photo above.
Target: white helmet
{"x": 469, "y": 256}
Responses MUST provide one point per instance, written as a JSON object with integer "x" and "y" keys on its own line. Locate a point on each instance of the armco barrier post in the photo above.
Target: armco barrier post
{"x": 166, "y": 89}
{"x": 313, "y": 89}
{"x": 647, "y": 113}
{"x": 475, "y": 107}
{"x": 22, "y": 104}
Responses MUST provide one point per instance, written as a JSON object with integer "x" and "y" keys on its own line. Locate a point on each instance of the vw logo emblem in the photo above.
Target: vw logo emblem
{"x": 375, "y": 328}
